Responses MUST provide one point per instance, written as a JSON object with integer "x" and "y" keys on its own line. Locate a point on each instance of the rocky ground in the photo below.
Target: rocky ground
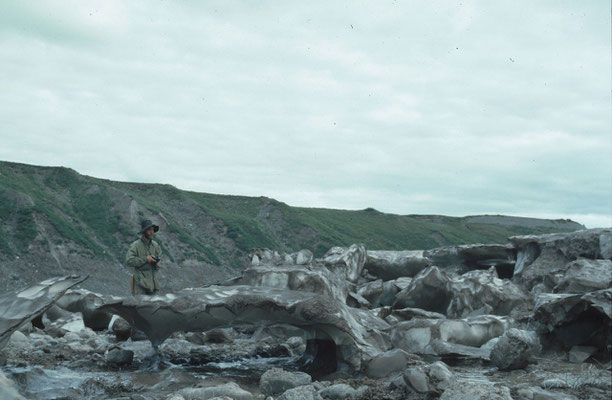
{"x": 438, "y": 324}
{"x": 87, "y": 365}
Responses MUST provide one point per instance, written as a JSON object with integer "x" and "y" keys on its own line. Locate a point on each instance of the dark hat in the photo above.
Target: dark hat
{"x": 146, "y": 224}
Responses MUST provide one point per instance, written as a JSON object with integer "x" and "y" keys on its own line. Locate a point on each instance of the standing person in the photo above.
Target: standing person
{"x": 144, "y": 256}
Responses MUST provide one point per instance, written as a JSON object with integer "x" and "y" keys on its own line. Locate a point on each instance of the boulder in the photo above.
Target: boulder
{"x": 434, "y": 378}
{"x": 276, "y": 381}
{"x": 402, "y": 283}
{"x": 475, "y": 256}
{"x": 347, "y": 263}
{"x": 542, "y": 259}
{"x": 316, "y": 279}
{"x": 389, "y": 265}
{"x": 605, "y": 244}
{"x": 21, "y": 306}
{"x": 86, "y": 303}
{"x": 358, "y": 334}
{"x": 473, "y": 293}
{"x": 430, "y": 290}
{"x": 483, "y": 290}
{"x": 515, "y": 349}
{"x": 74, "y": 323}
{"x": 575, "y": 319}
{"x": 379, "y": 293}
{"x": 54, "y": 313}
{"x": 445, "y": 336}
{"x": 584, "y": 275}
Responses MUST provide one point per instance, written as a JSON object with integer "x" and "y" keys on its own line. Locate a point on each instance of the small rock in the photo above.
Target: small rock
{"x": 78, "y": 346}
{"x": 340, "y": 391}
{"x": 524, "y": 394}
{"x": 416, "y": 379}
{"x": 397, "y": 383}
{"x": 440, "y": 377}
{"x": 197, "y": 338}
{"x": 54, "y": 313}
{"x": 71, "y": 337}
{"x": 122, "y": 329}
{"x": 119, "y": 357}
{"x": 296, "y": 345}
{"x": 304, "y": 257}
{"x": 55, "y": 331}
{"x": 75, "y": 324}
{"x": 230, "y": 389}
{"x": 515, "y": 349}
{"x": 429, "y": 378}
{"x": 387, "y": 363}
{"x": 19, "y": 341}
{"x": 579, "y": 354}
{"x": 275, "y": 381}
{"x": 219, "y": 335}
{"x": 26, "y": 328}
{"x": 306, "y": 392}
{"x": 87, "y": 333}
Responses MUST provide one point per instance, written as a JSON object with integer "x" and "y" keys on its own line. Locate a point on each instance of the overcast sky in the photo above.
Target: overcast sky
{"x": 410, "y": 107}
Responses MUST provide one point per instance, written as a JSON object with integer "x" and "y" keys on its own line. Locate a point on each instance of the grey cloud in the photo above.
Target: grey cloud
{"x": 450, "y": 108}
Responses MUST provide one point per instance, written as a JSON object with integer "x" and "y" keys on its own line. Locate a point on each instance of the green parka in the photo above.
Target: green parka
{"x": 144, "y": 273}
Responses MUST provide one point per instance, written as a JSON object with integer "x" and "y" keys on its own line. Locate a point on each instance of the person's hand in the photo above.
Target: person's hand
{"x": 150, "y": 260}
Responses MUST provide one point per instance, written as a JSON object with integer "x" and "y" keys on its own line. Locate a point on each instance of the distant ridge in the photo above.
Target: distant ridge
{"x": 523, "y": 221}
{"x": 55, "y": 221}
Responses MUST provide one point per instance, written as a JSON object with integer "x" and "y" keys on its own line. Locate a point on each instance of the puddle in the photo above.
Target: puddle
{"x": 42, "y": 383}
{"x": 39, "y": 383}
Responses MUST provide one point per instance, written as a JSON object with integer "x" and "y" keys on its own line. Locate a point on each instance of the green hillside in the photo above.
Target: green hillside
{"x": 46, "y": 208}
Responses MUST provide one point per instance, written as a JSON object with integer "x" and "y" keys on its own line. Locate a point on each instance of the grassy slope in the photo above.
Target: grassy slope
{"x": 86, "y": 217}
